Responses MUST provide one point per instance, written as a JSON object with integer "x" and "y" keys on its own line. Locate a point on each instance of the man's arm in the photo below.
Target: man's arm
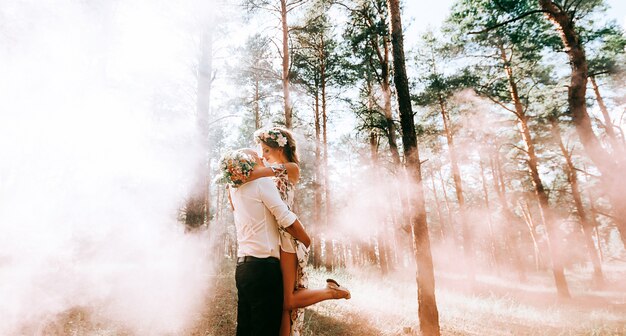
{"x": 285, "y": 218}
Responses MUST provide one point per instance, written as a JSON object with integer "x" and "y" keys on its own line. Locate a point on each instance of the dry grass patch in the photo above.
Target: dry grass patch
{"x": 388, "y": 307}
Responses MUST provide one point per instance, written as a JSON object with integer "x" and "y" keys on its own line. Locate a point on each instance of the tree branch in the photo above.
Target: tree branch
{"x": 501, "y": 104}
{"x": 520, "y": 149}
{"x": 586, "y": 173}
{"x": 604, "y": 72}
{"x": 508, "y": 21}
{"x": 604, "y": 213}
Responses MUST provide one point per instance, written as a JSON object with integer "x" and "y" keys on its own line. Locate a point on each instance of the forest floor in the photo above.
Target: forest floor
{"x": 388, "y": 306}
{"x": 491, "y": 307}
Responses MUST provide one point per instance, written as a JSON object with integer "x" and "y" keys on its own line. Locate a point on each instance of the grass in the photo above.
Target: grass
{"x": 387, "y": 306}
{"x": 493, "y": 306}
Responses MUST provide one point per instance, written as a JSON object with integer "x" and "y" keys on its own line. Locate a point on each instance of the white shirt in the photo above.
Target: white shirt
{"x": 258, "y": 212}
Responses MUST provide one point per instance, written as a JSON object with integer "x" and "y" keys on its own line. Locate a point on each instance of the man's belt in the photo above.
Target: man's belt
{"x": 247, "y": 259}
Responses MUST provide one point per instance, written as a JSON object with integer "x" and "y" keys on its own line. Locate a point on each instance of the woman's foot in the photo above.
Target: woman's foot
{"x": 338, "y": 291}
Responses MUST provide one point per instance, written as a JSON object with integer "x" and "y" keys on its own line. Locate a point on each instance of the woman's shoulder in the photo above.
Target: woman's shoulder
{"x": 292, "y": 166}
{"x": 293, "y": 171}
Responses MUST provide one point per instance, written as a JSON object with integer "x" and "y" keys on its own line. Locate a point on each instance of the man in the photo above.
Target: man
{"x": 258, "y": 211}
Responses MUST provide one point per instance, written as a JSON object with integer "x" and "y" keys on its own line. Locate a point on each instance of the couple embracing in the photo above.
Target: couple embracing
{"x": 272, "y": 244}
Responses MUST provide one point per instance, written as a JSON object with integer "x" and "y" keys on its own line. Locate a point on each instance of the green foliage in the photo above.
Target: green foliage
{"x": 605, "y": 47}
{"x": 316, "y": 60}
{"x": 257, "y": 82}
{"x": 470, "y": 20}
{"x": 367, "y": 34}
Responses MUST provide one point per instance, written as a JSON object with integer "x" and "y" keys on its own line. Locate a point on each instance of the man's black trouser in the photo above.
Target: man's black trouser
{"x": 260, "y": 296}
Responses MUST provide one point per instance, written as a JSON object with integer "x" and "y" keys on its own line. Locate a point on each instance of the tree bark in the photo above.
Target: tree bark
{"x": 427, "y": 306}
{"x": 197, "y": 208}
{"x": 257, "y": 110}
{"x": 458, "y": 187}
{"x": 587, "y": 228}
{"x": 452, "y": 230}
{"x": 528, "y": 218}
{"x": 386, "y": 87}
{"x": 317, "y": 210}
{"x": 616, "y": 145}
{"x": 442, "y": 229}
{"x": 611, "y": 167}
{"x": 594, "y": 223}
{"x": 540, "y": 192}
{"x": 492, "y": 239}
{"x": 327, "y": 206}
{"x": 608, "y": 124}
{"x": 509, "y": 217}
{"x": 285, "y": 77}
{"x": 382, "y": 232}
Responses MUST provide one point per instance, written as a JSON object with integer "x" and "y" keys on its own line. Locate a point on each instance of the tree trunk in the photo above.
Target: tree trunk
{"x": 540, "y": 192}
{"x": 528, "y": 218}
{"x": 317, "y": 189}
{"x": 427, "y": 306}
{"x": 492, "y": 238}
{"x": 285, "y": 77}
{"x": 594, "y": 223}
{"x": 386, "y": 87}
{"x": 383, "y": 248}
{"x": 390, "y": 127}
{"x": 458, "y": 187}
{"x": 586, "y": 226}
{"x": 374, "y": 153}
{"x": 509, "y": 217}
{"x": 608, "y": 124}
{"x": 451, "y": 229}
{"x": 442, "y": 229}
{"x": 257, "y": 110}
{"x": 197, "y": 210}
{"x": 327, "y": 207}
{"x": 611, "y": 167}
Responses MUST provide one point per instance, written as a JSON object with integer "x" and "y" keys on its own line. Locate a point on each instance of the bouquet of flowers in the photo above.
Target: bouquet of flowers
{"x": 235, "y": 168}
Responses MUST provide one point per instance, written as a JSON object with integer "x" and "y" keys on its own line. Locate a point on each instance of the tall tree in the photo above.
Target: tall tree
{"x": 197, "y": 208}
{"x": 369, "y": 37}
{"x": 603, "y": 62}
{"x": 565, "y": 15}
{"x": 281, "y": 8}
{"x": 317, "y": 66}
{"x": 427, "y": 306}
{"x": 512, "y": 50}
{"x": 438, "y": 88}
{"x": 572, "y": 178}
{"x": 256, "y": 78}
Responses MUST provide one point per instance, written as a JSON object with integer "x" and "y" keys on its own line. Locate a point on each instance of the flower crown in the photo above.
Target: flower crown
{"x": 235, "y": 168}
{"x": 272, "y": 136}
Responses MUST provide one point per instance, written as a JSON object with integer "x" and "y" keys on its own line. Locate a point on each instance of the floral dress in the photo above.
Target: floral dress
{"x": 291, "y": 245}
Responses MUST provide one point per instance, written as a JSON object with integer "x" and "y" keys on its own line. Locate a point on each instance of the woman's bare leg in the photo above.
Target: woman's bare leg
{"x": 302, "y": 297}
{"x": 288, "y": 262}
{"x": 285, "y": 323}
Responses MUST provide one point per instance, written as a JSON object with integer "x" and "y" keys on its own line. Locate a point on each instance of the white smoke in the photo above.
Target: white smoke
{"x": 92, "y": 170}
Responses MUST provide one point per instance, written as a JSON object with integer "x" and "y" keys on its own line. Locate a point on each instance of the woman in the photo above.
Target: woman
{"x": 279, "y": 149}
